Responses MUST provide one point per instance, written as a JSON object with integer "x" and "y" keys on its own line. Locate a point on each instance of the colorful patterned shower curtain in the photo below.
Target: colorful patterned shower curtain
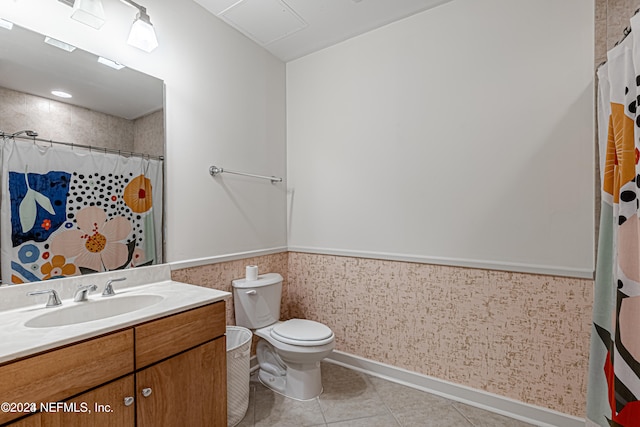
{"x": 614, "y": 367}
{"x": 70, "y": 211}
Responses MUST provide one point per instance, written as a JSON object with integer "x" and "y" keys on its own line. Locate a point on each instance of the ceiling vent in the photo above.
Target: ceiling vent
{"x": 263, "y": 21}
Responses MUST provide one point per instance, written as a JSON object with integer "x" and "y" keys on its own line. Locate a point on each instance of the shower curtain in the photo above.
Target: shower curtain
{"x": 614, "y": 364}
{"x": 69, "y": 211}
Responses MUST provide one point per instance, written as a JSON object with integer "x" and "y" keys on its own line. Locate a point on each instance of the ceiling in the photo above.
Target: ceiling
{"x": 290, "y": 29}
{"x": 287, "y": 28}
{"x": 29, "y": 65}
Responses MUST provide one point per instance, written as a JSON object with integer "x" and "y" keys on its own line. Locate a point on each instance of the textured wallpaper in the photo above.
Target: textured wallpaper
{"x": 522, "y": 336}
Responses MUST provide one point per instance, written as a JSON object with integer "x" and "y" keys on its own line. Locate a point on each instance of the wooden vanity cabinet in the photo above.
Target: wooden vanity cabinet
{"x": 104, "y": 406}
{"x": 184, "y": 389}
{"x": 31, "y": 421}
{"x": 189, "y": 389}
{"x": 176, "y": 376}
{"x": 58, "y": 374}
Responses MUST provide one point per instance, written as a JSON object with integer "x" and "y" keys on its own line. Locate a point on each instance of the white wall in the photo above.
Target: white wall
{"x": 225, "y": 105}
{"x": 462, "y": 135}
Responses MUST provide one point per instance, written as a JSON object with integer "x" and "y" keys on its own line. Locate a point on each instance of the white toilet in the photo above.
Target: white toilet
{"x": 289, "y": 352}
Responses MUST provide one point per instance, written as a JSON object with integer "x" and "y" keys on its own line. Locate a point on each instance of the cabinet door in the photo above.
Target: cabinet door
{"x": 30, "y": 421}
{"x": 186, "y": 390}
{"x": 102, "y": 407}
{"x": 61, "y": 373}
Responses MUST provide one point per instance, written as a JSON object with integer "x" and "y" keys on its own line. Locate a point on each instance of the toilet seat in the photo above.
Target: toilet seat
{"x": 302, "y": 332}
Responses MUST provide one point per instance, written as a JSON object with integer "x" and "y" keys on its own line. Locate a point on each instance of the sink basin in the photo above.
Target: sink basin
{"x": 93, "y": 310}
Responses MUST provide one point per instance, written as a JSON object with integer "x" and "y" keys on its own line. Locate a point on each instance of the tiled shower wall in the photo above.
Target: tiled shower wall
{"x": 67, "y": 123}
{"x": 612, "y": 16}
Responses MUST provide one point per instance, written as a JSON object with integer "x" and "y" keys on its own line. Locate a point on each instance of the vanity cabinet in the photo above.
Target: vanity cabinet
{"x": 114, "y": 413}
{"x": 181, "y": 389}
{"x": 173, "y": 370}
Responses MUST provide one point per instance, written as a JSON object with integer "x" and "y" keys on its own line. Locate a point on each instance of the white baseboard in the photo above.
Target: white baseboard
{"x": 512, "y": 408}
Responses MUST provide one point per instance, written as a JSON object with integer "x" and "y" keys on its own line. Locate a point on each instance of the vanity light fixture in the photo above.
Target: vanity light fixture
{"x": 109, "y": 63}
{"x": 6, "y": 24}
{"x": 59, "y": 44}
{"x": 89, "y": 12}
{"x": 142, "y": 34}
{"x": 61, "y": 94}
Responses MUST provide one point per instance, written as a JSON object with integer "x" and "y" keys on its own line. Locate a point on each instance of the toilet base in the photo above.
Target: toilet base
{"x": 299, "y": 383}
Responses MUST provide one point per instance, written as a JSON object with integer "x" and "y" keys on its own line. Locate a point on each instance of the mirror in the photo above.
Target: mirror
{"x": 118, "y": 109}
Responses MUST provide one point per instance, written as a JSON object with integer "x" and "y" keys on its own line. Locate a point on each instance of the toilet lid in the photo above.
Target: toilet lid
{"x": 302, "y": 332}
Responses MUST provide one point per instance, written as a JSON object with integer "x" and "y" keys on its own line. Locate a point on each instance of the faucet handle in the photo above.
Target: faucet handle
{"x": 54, "y": 299}
{"x": 108, "y": 288}
{"x": 83, "y": 291}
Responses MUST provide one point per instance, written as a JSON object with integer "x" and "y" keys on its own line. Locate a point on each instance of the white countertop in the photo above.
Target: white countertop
{"x": 18, "y": 340}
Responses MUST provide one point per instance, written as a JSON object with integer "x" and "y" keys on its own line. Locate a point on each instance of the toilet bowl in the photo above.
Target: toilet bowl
{"x": 288, "y": 352}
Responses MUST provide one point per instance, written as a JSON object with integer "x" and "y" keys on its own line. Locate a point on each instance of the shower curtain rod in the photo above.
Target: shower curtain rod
{"x": 32, "y": 136}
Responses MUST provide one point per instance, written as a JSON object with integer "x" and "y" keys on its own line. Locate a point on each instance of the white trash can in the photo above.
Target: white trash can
{"x": 238, "y": 373}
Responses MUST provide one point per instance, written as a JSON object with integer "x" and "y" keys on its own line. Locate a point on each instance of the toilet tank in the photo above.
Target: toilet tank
{"x": 257, "y": 302}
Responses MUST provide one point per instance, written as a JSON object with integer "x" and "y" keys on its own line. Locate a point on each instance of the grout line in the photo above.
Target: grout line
{"x": 462, "y": 413}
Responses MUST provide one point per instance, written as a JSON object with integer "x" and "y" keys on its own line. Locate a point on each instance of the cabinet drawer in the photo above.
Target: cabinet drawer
{"x": 62, "y": 373}
{"x": 165, "y": 337}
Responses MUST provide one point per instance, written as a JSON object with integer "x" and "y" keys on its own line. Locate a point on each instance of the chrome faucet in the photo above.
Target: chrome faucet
{"x": 83, "y": 291}
{"x": 54, "y": 299}
{"x": 108, "y": 288}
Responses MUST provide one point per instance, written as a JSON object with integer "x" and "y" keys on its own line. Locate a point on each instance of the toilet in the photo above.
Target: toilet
{"x": 289, "y": 352}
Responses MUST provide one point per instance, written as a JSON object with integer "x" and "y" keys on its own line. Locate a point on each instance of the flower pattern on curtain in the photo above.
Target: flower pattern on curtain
{"x": 70, "y": 211}
{"x": 614, "y": 365}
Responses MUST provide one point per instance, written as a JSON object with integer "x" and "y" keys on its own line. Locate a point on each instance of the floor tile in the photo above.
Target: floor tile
{"x": 413, "y": 407}
{"x": 273, "y": 409}
{"x": 482, "y": 418}
{"x": 396, "y": 396}
{"x": 431, "y": 416}
{"x": 348, "y": 395}
{"x": 375, "y": 421}
{"x": 249, "y": 418}
{"x": 354, "y": 399}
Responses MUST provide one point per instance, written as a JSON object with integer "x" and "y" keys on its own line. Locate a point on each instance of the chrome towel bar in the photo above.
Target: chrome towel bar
{"x": 215, "y": 170}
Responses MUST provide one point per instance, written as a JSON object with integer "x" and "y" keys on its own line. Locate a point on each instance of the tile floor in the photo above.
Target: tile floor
{"x": 354, "y": 399}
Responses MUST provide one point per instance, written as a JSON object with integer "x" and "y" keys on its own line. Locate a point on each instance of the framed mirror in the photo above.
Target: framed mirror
{"x": 110, "y": 106}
